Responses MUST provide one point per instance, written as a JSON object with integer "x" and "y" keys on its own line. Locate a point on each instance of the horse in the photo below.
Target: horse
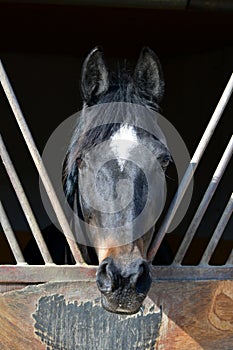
{"x": 120, "y": 105}
{"x": 123, "y": 276}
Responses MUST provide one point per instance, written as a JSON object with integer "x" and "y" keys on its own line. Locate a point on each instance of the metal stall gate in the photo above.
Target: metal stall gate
{"x": 58, "y": 307}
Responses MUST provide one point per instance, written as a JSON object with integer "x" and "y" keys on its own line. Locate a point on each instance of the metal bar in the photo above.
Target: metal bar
{"x": 191, "y": 273}
{"x": 32, "y": 274}
{"x": 39, "y": 165}
{"x": 24, "y": 203}
{"x": 213, "y": 5}
{"x": 191, "y": 169}
{"x": 46, "y": 273}
{"x": 218, "y": 232}
{"x": 156, "y": 4}
{"x": 230, "y": 259}
{"x": 15, "y": 248}
{"x": 201, "y": 5}
{"x": 204, "y": 203}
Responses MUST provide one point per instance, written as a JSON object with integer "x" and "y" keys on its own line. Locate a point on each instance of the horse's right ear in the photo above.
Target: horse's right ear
{"x": 94, "y": 76}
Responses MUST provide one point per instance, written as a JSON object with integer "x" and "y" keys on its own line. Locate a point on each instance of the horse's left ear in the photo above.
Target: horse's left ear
{"x": 94, "y": 76}
{"x": 148, "y": 76}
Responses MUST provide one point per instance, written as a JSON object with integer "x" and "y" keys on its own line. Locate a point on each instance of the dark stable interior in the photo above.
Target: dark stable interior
{"x": 42, "y": 48}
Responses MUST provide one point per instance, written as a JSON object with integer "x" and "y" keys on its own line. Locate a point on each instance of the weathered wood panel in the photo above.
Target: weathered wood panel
{"x": 196, "y": 315}
{"x": 67, "y": 316}
{"x": 11, "y": 286}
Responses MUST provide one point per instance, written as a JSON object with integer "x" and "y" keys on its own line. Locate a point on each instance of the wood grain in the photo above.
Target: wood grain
{"x": 195, "y": 315}
{"x": 189, "y": 308}
{"x": 69, "y": 316}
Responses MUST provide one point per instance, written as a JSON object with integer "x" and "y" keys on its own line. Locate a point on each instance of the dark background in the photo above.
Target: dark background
{"x": 42, "y": 47}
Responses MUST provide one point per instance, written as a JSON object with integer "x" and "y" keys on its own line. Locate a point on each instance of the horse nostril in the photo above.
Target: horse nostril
{"x": 134, "y": 277}
{"x": 143, "y": 278}
{"x": 105, "y": 276}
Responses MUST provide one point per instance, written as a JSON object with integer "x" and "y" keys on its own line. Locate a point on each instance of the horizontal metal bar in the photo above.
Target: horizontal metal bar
{"x": 204, "y": 203}
{"x": 15, "y": 248}
{"x": 218, "y": 232}
{"x": 39, "y": 165}
{"x": 156, "y": 4}
{"x": 214, "y": 5}
{"x": 53, "y": 273}
{"x": 46, "y": 273}
{"x": 24, "y": 203}
{"x": 191, "y": 273}
{"x": 191, "y": 169}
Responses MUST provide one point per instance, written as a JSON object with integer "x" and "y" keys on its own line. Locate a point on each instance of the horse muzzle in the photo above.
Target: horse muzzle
{"x": 123, "y": 287}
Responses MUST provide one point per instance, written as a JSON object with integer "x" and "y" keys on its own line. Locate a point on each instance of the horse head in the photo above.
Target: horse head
{"x": 121, "y": 245}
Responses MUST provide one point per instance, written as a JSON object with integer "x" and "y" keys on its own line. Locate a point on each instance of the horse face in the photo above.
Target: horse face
{"x": 123, "y": 276}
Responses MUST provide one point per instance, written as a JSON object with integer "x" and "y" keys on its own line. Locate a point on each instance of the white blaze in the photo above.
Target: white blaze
{"x": 122, "y": 143}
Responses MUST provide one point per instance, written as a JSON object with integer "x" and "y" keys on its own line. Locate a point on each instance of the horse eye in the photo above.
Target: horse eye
{"x": 80, "y": 162}
{"x": 165, "y": 162}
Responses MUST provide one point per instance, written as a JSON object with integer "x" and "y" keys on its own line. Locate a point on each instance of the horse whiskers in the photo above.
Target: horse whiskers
{"x": 170, "y": 178}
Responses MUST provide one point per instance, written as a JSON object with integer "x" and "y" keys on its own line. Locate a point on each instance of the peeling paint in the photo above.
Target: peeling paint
{"x": 86, "y": 325}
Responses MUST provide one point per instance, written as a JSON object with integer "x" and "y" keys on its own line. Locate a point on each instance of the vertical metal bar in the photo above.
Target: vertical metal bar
{"x": 39, "y": 165}
{"x": 24, "y": 203}
{"x": 218, "y": 232}
{"x": 15, "y": 248}
{"x": 230, "y": 259}
{"x": 204, "y": 203}
{"x": 191, "y": 169}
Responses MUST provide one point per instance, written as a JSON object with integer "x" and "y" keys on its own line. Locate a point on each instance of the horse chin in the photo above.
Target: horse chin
{"x": 127, "y": 308}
